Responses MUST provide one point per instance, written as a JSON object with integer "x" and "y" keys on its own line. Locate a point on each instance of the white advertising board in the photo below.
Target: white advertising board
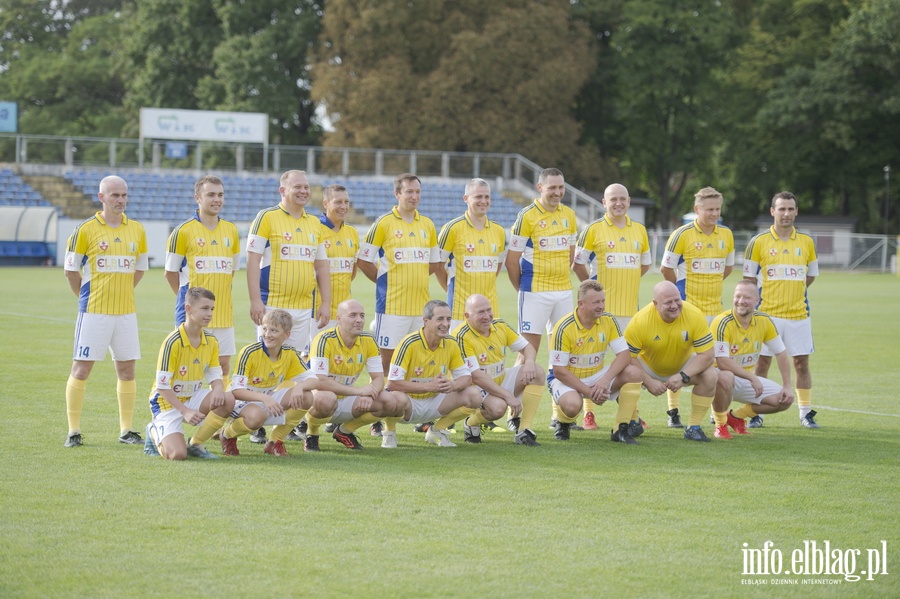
{"x": 204, "y": 125}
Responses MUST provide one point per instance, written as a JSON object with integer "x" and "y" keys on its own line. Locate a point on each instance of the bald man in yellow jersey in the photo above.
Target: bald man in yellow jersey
{"x": 399, "y": 254}
{"x": 784, "y": 263}
{"x": 614, "y": 251}
{"x": 699, "y": 256}
{"x": 287, "y": 261}
{"x": 578, "y": 347}
{"x": 106, "y": 257}
{"x": 671, "y": 341}
{"x": 472, "y": 250}
{"x": 203, "y": 252}
{"x": 739, "y": 335}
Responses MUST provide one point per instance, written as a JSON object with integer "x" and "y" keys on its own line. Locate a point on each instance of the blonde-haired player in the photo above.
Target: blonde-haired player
{"x": 188, "y": 358}
{"x": 106, "y": 256}
{"x": 784, "y": 263}
{"x": 615, "y": 251}
{"x": 578, "y": 346}
{"x": 699, "y": 256}
{"x": 271, "y": 385}
{"x": 203, "y": 252}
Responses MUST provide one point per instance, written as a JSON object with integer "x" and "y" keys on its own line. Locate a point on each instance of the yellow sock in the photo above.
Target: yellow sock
{"x": 636, "y": 415}
{"x": 699, "y": 407}
{"x": 562, "y": 417}
{"x": 477, "y": 419}
{"x": 236, "y": 429}
{"x": 628, "y": 398}
{"x": 674, "y": 399}
{"x": 74, "y": 402}
{"x": 454, "y": 416}
{"x": 211, "y": 424}
{"x": 315, "y": 424}
{"x": 721, "y": 418}
{"x": 804, "y": 397}
{"x": 555, "y": 411}
{"x": 390, "y": 424}
{"x": 291, "y": 419}
{"x": 745, "y": 411}
{"x": 531, "y": 400}
{"x": 357, "y": 423}
{"x": 588, "y": 405}
{"x": 126, "y": 392}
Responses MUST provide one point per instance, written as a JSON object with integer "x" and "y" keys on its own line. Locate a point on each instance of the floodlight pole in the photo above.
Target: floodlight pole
{"x": 887, "y": 196}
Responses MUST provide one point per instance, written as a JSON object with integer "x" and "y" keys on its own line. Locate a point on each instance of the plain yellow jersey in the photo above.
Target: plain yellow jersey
{"x": 699, "y": 262}
{"x": 581, "y": 349}
{"x": 666, "y": 346}
{"x": 781, "y": 268}
{"x": 331, "y": 357}
{"x": 342, "y": 246}
{"x": 256, "y": 371}
{"x": 414, "y": 361}
{"x": 614, "y": 257}
{"x": 183, "y": 368}
{"x": 289, "y": 247}
{"x": 403, "y": 253}
{"x": 545, "y": 240}
{"x": 473, "y": 260}
{"x": 744, "y": 345}
{"x": 107, "y": 258}
{"x": 488, "y": 352}
{"x": 205, "y": 258}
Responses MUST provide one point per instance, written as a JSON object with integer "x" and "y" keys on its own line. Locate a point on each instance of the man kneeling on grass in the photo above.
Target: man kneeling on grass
{"x": 187, "y": 357}
{"x": 419, "y": 379}
{"x": 271, "y": 385}
{"x": 338, "y": 356}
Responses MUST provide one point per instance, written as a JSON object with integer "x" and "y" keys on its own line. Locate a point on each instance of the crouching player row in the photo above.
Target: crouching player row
{"x": 578, "y": 345}
{"x": 739, "y": 335}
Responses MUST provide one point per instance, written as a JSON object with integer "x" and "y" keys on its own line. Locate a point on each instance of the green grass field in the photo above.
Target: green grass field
{"x": 587, "y": 518}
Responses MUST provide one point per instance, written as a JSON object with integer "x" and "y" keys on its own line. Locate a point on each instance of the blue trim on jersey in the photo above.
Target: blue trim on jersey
{"x": 264, "y": 284}
{"x": 180, "y": 314}
{"x": 381, "y": 294}
{"x": 681, "y": 285}
{"x": 527, "y": 268}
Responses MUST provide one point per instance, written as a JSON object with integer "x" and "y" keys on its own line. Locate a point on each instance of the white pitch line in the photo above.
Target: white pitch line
{"x": 821, "y": 407}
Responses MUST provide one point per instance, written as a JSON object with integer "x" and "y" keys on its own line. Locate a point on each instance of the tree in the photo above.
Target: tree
{"x": 466, "y": 75}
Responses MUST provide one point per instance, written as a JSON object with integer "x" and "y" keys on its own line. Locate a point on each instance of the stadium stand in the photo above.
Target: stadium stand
{"x": 15, "y": 192}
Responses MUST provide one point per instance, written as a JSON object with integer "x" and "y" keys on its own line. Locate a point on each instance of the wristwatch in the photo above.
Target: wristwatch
{"x": 684, "y": 378}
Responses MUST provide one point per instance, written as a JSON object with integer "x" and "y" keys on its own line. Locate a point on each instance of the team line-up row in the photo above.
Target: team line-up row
{"x": 299, "y": 270}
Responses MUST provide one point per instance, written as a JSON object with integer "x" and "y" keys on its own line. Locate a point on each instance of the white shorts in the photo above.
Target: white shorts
{"x": 509, "y": 380}
{"x": 315, "y": 330}
{"x": 225, "y": 337}
{"x": 344, "y": 410}
{"x": 662, "y": 377}
{"x": 744, "y": 393}
{"x": 95, "y": 333}
{"x": 558, "y": 389}
{"x": 299, "y": 338}
{"x": 426, "y": 410}
{"x": 796, "y": 334}
{"x": 277, "y": 395}
{"x": 391, "y": 329}
{"x": 170, "y": 422}
{"x": 542, "y": 309}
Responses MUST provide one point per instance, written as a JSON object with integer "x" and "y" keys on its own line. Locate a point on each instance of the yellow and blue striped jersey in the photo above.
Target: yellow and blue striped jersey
{"x": 614, "y": 257}
{"x": 342, "y": 246}
{"x": 781, "y": 267}
{"x": 289, "y": 247}
{"x": 184, "y": 368}
{"x": 205, "y": 258}
{"x": 699, "y": 262}
{"x": 414, "y": 361}
{"x": 473, "y": 260}
{"x": 581, "y": 349}
{"x": 107, "y": 258}
{"x": 488, "y": 352}
{"x": 257, "y": 372}
{"x": 403, "y": 253}
{"x": 743, "y": 345}
{"x": 545, "y": 240}
{"x": 666, "y": 346}
{"x": 331, "y": 357}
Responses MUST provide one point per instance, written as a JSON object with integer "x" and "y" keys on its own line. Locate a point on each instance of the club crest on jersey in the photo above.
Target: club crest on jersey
{"x": 482, "y": 358}
{"x": 684, "y": 335}
{"x": 201, "y": 242}
{"x": 542, "y": 224}
{"x": 256, "y": 380}
{"x": 734, "y": 349}
{"x": 287, "y": 236}
{"x": 338, "y": 359}
{"x": 580, "y": 342}
{"x": 698, "y": 246}
{"x": 470, "y": 248}
{"x": 104, "y": 245}
{"x": 327, "y": 244}
{"x": 182, "y": 371}
{"x": 610, "y": 244}
{"x": 398, "y": 234}
{"x": 773, "y": 252}
{"x": 419, "y": 370}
